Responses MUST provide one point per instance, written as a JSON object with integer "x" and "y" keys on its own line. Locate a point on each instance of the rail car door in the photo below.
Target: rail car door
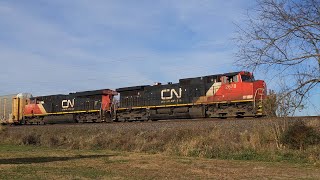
{"x": 87, "y": 105}
{"x": 16, "y": 110}
{"x": 52, "y": 107}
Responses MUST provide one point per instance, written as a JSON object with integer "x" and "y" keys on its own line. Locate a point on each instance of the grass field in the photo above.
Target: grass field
{"x": 252, "y": 139}
{"x": 30, "y": 162}
{"x": 235, "y": 149}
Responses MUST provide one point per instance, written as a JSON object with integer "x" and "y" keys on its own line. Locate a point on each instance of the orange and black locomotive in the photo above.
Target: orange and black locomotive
{"x": 88, "y": 106}
{"x": 235, "y": 94}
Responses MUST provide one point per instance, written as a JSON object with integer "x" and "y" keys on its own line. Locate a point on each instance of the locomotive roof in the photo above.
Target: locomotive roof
{"x": 82, "y": 93}
{"x": 95, "y": 92}
{"x": 132, "y": 88}
{"x": 214, "y": 75}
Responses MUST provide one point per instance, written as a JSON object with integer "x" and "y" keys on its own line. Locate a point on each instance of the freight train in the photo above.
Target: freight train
{"x": 235, "y": 94}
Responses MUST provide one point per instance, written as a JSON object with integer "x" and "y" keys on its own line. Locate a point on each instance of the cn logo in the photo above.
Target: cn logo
{"x": 170, "y": 93}
{"x": 67, "y": 104}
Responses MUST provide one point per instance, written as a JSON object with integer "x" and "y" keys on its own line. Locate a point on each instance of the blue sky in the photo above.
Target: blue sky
{"x": 50, "y": 47}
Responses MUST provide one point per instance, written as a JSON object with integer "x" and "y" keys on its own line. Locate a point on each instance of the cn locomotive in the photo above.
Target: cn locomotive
{"x": 87, "y": 106}
{"x": 235, "y": 94}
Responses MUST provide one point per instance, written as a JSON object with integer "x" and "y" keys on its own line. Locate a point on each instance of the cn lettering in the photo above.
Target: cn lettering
{"x": 170, "y": 94}
{"x": 67, "y": 104}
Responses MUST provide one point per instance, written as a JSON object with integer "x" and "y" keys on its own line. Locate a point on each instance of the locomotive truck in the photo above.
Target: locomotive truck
{"x": 235, "y": 94}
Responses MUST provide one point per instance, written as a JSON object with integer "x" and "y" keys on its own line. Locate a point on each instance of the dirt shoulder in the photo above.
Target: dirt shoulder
{"x": 27, "y": 162}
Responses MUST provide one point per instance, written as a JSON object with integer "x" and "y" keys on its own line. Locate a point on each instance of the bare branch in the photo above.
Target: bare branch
{"x": 284, "y": 36}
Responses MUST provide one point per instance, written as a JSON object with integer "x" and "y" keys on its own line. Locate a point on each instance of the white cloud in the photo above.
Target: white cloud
{"x": 116, "y": 43}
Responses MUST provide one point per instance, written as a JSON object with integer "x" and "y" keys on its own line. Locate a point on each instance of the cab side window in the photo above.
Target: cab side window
{"x": 230, "y": 79}
{"x": 247, "y": 78}
{"x": 235, "y": 78}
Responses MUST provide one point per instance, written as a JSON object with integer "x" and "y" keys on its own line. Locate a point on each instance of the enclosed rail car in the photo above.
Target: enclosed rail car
{"x": 11, "y": 107}
{"x": 235, "y": 94}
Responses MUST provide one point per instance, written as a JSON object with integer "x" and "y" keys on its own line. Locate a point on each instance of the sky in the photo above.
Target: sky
{"x": 57, "y": 47}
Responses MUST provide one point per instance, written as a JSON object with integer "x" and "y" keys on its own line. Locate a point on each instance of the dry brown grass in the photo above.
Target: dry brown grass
{"x": 29, "y": 162}
{"x": 242, "y": 140}
{"x": 2, "y": 128}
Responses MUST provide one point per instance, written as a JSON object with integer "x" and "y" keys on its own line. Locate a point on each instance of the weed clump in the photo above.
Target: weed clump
{"x": 53, "y": 141}
{"x": 31, "y": 139}
{"x": 1, "y": 128}
{"x": 3, "y": 131}
{"x": 300, "y": 136}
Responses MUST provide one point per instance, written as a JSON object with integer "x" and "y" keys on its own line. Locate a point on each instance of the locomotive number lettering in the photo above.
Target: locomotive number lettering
{"x": 171, "y": 92}
{"x": 67, "y": 104}
{"x": 231, "y": 86}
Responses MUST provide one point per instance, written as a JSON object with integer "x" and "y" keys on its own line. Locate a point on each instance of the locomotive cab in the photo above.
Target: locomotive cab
{"x": 240, "y": 87}
{"x": 237, "y": 77}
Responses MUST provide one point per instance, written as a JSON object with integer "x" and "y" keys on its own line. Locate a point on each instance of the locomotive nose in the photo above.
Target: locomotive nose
{"x": 260, "y": 84}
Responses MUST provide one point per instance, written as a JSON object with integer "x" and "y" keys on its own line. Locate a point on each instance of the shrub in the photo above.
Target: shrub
{"x": 53, "y": 141}
{"x": 1, "y": 128}
{"x": 31, "y": 139}
{"x": 3, "y": 131}
{"x": 300, "y": 136}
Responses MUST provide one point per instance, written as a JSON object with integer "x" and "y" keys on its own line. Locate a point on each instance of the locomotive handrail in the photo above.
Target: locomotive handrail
{"x": 255, "y": 95}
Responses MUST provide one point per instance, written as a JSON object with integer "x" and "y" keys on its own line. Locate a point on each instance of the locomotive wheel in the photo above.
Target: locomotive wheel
{"x": 223, "y": 115}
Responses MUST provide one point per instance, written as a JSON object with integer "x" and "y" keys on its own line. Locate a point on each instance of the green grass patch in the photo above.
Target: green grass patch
{"x": 33, "y": 162}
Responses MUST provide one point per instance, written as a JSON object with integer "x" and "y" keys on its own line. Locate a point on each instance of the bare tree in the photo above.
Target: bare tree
{"x": 282, "y": 37}
{"x": 270, "y": 105}
{"x": 286, "y": 103}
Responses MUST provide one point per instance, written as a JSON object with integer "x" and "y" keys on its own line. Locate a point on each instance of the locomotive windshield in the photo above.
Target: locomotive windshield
{"x": 246, "y": 78}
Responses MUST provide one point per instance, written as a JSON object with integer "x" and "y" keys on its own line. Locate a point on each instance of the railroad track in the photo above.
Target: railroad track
{"x": 174, "y": 123}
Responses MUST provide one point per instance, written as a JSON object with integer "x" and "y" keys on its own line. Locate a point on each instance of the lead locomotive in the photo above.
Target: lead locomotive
{"x": 234, "y": 94}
